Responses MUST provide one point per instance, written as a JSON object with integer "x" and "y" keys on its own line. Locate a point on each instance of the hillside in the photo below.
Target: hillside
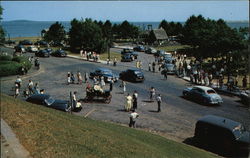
{"x": 45, "y": 132}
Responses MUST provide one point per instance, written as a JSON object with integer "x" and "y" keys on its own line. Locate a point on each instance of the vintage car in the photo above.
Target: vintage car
{"x": 32, "y": 49}
{"x": 127, "y": 57}
{"x": 59, "y": 53}
{"x": 130, "y": 52}
{"x": 139, "y": 48}
{"x": 223, "y": 136}
{"x": 96, "y": 93}
{"x": 170, "y": 68}
{"x": 42, "y": 53}
{"x": 150, "y": 50}
{"x": 202, "y": 94}
{"x": 245, "y": 98}
{"x": 48, "y": 101}
{"x": 132, "y": 74}
{"x": 106, "y": 73}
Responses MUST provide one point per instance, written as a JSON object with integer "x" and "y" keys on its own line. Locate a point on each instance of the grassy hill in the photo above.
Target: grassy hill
{"x": 49, "y": 133}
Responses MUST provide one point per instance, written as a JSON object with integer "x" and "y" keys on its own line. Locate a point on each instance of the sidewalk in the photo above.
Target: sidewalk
{"x": 11, "y": 147}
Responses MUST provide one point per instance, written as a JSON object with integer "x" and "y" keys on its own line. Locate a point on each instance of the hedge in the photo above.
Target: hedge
{"x": 11, "y": 66}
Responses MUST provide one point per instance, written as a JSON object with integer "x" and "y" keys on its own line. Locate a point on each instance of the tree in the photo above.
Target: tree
{"x": 2, "y": 33}
{"x": 86, "y": 34}
{"x": 56, "y": 33}
{"x": 172, "y": 29}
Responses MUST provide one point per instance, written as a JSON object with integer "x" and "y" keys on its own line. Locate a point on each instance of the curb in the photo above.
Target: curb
{"x": 12, "y": 140}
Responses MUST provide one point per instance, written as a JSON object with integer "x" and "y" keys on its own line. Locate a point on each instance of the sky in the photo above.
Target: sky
{"x": 133, "y": 11}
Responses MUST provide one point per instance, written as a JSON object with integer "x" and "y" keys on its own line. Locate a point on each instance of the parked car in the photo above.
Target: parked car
{"x": 129, "y": 51}
{"x": 171, "y": 69}
{"x": 245, "y": 98}
{"x": 48, "y": 101}
{"x": 50, "y": 50}
{"x": 20, "y": 48}
{"x": 127, "y": 57}
{"x": 150, "y": 50}
{"x": 106, "y": 73}
{"x": 59, "y": 53}
{"x": 41, "y": 43}
{"x": 32, "y": 49}
{"x": 132, "y": 74}
{"x": 139, "y": 48}
{"x": 42, "y": 53}
{"x": 159, "y": 53}
{"x": 222, "y": 135}
{"x": 202, "y": 94}
{"x": 25, "y": 42}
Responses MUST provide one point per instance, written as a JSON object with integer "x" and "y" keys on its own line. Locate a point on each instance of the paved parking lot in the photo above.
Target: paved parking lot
{"x": 178, "y": 116}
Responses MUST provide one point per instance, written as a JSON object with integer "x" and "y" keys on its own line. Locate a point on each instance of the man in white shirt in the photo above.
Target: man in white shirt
{"x": 133, "y": 116}
{"x": 158, "y": 98}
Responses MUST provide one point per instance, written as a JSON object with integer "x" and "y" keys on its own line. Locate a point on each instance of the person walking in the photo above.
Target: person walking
{"x": 16, "y": 90}
{"x": 74, "y": 100}
{"x": 68, "y": 78}
{"x": 165, "y": 73}
{"x": 140, "y": 65}
{"x": 115, "y": 62}
{"x": 111, "y": 85}
{"x": 244, "y": 82}
{"x": 128, "y": 105}
{"x": 79, "y": 77}
{"x": 152, "y": 93}
{"x": 149, "y": 66}
{"x": 18, "y": 81}
{"x": 135, "y": 96}
{"x": 72, "y": 78}
{"x": 36, "y": 89}
{"x": 132, "y": 117}
{"x": 158, "y": 98}
{"x": 153, "y": 66}
{"x": 86, "y": 77}
{"x": 30, "y": 87}
{"x": 123, "y": 85}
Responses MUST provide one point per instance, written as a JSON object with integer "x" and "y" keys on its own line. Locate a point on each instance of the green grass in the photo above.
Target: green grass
{"x": 172, "y": 48}
{"x": 113, "y": 55}
{"x": 49, "y": 133}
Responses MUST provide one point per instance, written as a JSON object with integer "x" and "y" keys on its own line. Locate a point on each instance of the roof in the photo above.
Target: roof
{"x": 103, "y": 69}
{"x": 160, "y": 34}
{"x": 219, "y": 121}
{"x": 204, "y": 88}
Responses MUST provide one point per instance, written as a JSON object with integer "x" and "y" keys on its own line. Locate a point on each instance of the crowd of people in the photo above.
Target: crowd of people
{"x": 90, "y": 55}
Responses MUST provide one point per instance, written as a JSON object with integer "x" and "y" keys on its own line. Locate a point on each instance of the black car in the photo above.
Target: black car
{"x": 129, "y": 51}
{"x": 25, "y": 42}
{"x": 42, "y": 53}
{"x": 223, "y": 136}
{"x": 127, "y": 57}
{"x": 133, "y": 74}
{"x": 50, "y": 50}
{"x": 150, "y": 50}
{"x": 59, "y": 53}
{"x": 41, "y": 43}
{"x": 10, "y": 42}
{"x": 20, "y": 48}
{"x": 245, "y": 98}
{"x": 139, "y": 48}
{"x": 106, "y": 73}
{"x": 48, "y": 101}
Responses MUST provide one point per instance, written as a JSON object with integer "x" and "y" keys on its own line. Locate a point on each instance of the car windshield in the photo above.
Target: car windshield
{"x": 49, "y": 101}
{"x": 210, "y": 91}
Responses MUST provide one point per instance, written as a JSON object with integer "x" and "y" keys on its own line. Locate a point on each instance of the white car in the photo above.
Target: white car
{"x": 32, "y": 49}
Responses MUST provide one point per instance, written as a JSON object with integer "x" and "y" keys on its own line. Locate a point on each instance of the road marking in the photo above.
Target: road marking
{"x": 89, "y": 112}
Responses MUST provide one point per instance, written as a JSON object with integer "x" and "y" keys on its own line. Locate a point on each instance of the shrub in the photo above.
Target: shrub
{"x": 23, "y": 61}
{"x": 5, "y": 58}
{"x": 9, "y": 68}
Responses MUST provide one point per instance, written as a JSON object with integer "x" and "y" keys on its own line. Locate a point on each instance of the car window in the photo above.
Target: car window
{"x": 211, "y": 91}
{"x": 49, "y": 101}
{"x": 200, "y": 90}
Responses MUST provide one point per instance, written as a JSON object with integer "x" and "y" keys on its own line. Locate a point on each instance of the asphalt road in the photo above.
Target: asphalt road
{"x": 175, "y": 121}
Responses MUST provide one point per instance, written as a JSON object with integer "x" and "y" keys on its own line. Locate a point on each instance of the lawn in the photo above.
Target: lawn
{"x": 32, "y": 39}
{"x": 172, "y": 48}
{"x": 49, "y": 133}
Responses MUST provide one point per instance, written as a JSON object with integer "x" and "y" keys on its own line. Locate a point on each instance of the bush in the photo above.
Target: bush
{"x": 12, "y": 67}
{"x": 9, "y": 68}
{"x": 5, "y": 58}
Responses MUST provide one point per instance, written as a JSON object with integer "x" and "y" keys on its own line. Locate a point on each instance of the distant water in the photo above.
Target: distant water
{"x": 24, "y": 28}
